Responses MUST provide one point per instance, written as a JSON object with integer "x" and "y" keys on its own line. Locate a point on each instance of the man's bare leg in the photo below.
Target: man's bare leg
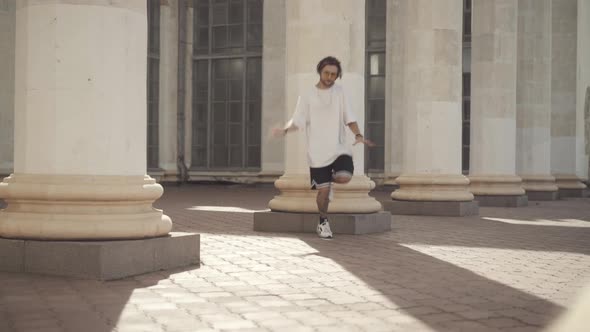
{"x": 323, "y": 201}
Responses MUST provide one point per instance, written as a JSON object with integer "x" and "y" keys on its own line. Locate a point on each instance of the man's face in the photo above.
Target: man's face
{"x": 328, "y": 75}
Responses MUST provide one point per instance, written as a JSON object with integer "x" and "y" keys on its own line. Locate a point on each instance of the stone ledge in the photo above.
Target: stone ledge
{"x": 542, "y": 195}
{"x": 356, "y": 224}
{"x": 563, "y": 193}
{"x": 101, "y": 260}
{"x": 432, "y": 208}
{"x": 502, "y": 200}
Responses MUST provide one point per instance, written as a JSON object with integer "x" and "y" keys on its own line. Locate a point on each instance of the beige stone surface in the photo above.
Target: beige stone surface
{"x": 60, "y": 207}
{"x": 505, "y": 270}
{"x": 533, "y": 93}
{"x": 168, "y": 80}
{"x": 7, "y": 35}
{"x": 563, "y": 93}
{"x": 274, "y": 110}
{"x": 80, "y": 125}
{"x": 427, "y": 85}
{"x": 492, "y": 166}
{"x": 342, "y": 24}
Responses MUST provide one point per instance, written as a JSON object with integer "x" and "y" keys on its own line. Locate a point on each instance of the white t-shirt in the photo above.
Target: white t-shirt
{"x": 324, "y": 115}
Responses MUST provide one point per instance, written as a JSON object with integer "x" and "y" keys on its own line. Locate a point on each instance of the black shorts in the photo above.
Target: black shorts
{"x": 321, "y": 177}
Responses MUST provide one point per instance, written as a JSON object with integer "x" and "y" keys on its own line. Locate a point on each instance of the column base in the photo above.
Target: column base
{"x": 355, "y": 224}
{"x": 432, "y": 208}
{"x": 542, "y": 195}
{"x": 579, "y": 192}
{"x": 502, "y": 200}
{"x": 101, "y": 260}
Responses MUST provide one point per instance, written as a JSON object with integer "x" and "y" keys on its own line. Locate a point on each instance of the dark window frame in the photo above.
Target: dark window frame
{"x": 249, "y": 53}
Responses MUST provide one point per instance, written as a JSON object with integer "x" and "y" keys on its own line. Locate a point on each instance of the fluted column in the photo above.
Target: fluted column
{"x": 563, "y": 97}
{"x": 428, "y": 54}
{"x": 80, "y": 124}
{"x": 315, "y": 29}
{"x": 533, "y": 99}
{"x": 493, "y": 104}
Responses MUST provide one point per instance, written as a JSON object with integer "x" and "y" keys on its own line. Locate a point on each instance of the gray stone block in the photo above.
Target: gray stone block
{"x": 542, "y": 195}
{"x": 106, "y": 260}
{"x": 356, "y": 224}
{"x": 502, "y": 201}
{"x": 432, "y": 208}
{"x": 12, "y": 255}
{"x": 563, "y": 193}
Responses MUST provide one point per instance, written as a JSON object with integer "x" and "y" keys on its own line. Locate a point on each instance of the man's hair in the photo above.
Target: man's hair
{"x": 329, "y": 61}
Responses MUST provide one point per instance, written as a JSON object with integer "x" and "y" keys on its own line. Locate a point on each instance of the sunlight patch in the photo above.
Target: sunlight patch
{"x": 224, "y": 209}
{"x": 544, "y": 222}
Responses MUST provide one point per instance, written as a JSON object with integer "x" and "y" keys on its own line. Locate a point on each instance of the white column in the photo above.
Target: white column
{"x": 188, "y": 84}
{"x": 80, "y": 124}
{"x": 493, "y": 99}
{"x": 583, "y": 91}
{"x": 533, "y": 99}
{"x": 428, "y": 53}
{"x": 273, "y": 86}
{"x": 315, "y": 29}
{"x": 168, "y": 97}
{"x": 394, "y": 139}
{"x": 7, "y": 25}
{"x": 563, "y": 94}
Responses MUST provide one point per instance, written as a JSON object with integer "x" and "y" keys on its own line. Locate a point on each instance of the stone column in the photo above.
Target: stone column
{"x": 168, "y": 97}
{"x": 533, "y": 100}
{"x": 493, "y": 104}
{"x": 563, "y": 98}
{"x": 273, "y": 86}
{"x": 394, "y": 140}
{"x": 187, "y": 47}
{"x": 80, "y": 147}
{"x": 80, "y": 124}
{"x": 315, "y": 29}
{"x": 7, "y": 25}
{"x": 428, "y": 88}
{"x": 583, "y": 91}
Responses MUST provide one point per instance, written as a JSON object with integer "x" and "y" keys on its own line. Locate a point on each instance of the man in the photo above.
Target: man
{"x": 324, "y": 112}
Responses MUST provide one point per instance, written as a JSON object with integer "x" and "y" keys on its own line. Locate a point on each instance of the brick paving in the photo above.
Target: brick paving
{"x": 509, "y": 269}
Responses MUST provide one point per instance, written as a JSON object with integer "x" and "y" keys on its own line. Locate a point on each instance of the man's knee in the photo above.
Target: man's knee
{"x": 342, "y": 179}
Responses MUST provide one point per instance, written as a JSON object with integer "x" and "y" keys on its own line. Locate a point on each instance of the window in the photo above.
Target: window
{"x": 153, "y": 86}
{"x": 375, "y": 84}
{"x": 227, "y": 84}
{"x": 466, "y": 102}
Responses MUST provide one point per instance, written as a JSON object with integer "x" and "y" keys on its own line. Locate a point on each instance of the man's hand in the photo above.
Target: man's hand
{"x": 363, "y": 140}
{"x": 278, "y": 132}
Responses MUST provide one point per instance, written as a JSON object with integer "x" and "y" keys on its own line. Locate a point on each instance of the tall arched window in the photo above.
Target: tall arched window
{"x": 227, "y": 81}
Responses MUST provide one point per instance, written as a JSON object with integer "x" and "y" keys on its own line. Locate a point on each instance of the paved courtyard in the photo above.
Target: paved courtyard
{"x": 510, "y": 269}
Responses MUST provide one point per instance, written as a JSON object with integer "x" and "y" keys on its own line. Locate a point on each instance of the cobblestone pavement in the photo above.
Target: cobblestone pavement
{"x": 510, "y": 269}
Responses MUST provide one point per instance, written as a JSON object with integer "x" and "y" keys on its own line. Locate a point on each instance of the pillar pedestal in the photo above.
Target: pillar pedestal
{"x": 70, "y": 207}
{"x": 569, "y": 186}
{"x": 434, "y": 195}
{"x": 498, "y": 190}
{"x": 540, "y": 187}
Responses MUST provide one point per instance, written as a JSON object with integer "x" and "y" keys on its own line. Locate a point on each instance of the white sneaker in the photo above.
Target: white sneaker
{"x": 324, "y": 230}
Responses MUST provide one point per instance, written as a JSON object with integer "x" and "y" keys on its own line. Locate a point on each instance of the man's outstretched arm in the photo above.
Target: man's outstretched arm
{"x": 358, "y": 137}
